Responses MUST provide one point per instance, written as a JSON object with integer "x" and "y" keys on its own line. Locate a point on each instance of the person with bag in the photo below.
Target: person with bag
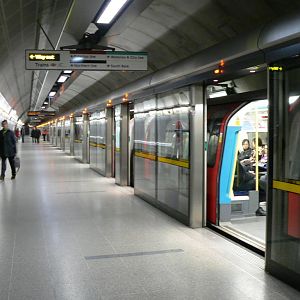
{"x": 8, "y": 149}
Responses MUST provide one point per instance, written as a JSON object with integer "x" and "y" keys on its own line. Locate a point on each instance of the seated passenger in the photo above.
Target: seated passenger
{"x": 245, "y": 156}
{"x": 260, "y": 148}
{"x": 246, "y": 177}
{"x": 264, "y": 158}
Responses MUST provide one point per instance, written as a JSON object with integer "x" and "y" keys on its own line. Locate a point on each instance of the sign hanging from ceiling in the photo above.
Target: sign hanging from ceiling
{"x": 86, "y": 60}
{"x": 40, "y": 113}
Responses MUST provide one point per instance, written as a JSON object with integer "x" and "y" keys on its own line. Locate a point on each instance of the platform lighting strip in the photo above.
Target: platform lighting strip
{"x": 110, "y": 11}
{"x": 62, "y": 79}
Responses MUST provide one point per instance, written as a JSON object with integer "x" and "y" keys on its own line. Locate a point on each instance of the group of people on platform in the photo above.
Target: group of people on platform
{"x": 36, "y": 134}
{"x": 247, "y": 167}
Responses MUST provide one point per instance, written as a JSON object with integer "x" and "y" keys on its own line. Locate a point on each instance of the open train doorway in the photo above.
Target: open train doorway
{"x": 243, "y": 174}
{"x": 237, "y": 164}
{"x": 237, "y": 168}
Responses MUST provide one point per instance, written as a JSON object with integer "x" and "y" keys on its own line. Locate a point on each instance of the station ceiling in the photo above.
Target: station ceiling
{"x": 169, "y": 30}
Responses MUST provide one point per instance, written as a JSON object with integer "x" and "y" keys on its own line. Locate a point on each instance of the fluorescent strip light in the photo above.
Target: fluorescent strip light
{"x": 218, "y": 94}
{"x": 68, "y": 71}
{"x": 45, "y": 103}
{"x": 110, "y": 11}
{"x": 62, "y": 79}
{"x": 293, "y": 99}
{"x": 52, "y": 94}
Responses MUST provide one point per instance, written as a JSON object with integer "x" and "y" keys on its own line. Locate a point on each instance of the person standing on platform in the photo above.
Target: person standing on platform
{"x": 23, "y": 134}
{"x": 33, "y": 135}
{"x": 17, "y": 134}
{"x": 8, "y": 149}
{"x": 37, "y": 135}
{"x": 44, "y": 134}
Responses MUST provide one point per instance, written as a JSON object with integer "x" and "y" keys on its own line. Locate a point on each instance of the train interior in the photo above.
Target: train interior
{"x": 243, "y": 173}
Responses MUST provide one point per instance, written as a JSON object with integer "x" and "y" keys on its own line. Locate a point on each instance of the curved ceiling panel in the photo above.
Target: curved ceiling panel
{"x": 171, "y": 30}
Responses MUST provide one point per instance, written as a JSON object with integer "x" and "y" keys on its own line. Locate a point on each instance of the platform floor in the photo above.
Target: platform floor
{"x": 68, "y": 233}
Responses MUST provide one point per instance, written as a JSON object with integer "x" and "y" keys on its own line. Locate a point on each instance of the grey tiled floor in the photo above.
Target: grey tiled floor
{"x": 58, "y": 211}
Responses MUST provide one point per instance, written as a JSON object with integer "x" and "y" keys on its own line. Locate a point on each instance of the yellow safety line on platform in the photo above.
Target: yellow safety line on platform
{"x": 287, "y": 187}
{"x": 178, "y": 163}
{"x": 145, "y": 155}
{"x": 78, "y": 141}
{"x": 170, "y": 161}
{"x": 102, "y": 146}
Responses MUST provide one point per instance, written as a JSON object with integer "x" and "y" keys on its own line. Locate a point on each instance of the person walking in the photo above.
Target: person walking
{"x": 37, "y": 135}
{"x": 23, "y": 134}
{"x": 33, "y": 134}
{"x": 17, "y": 134}
{"x": 8, "y": 149}
{"x": 44, "y": 134}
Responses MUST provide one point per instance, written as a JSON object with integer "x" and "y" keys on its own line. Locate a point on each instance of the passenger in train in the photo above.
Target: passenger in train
{"x": 246, "y": 154}
{"x": 8, "y": 149}
{"x": 246, "y": 176}
{"x": 260, "y": 148}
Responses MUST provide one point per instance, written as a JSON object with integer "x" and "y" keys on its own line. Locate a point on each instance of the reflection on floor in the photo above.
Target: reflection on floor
{"x": 67, "y": 233}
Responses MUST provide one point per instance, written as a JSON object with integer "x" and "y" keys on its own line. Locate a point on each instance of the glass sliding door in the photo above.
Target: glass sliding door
{"x": 101, "y": 142}
{"x": 283, "y": 234}
{"x": 145, "y": 149}
{"x": 67, "y": 136}
{"x": 173, "y": 132}
{"x": 78, "y": 137}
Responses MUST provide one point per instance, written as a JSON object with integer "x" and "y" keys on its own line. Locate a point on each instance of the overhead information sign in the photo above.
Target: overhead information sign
{"x": 86, "y": 60}
{"x": 40, "y": 113}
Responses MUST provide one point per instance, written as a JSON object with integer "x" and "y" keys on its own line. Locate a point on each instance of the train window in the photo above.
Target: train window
{"x": 213, "y": 127}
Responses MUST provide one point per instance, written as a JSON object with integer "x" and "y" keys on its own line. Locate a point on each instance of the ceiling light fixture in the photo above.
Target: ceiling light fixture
{"x": 293, "y": 99}
{"x": 62, "y": 79}
{"x": 68, "y": 71}
{"x": 51, "y": 94}
{"x": 110, "y": 11}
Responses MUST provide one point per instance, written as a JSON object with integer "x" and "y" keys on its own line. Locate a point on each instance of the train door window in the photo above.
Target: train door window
{"x": 213, "y": 136}
{"x": 243, "y": 173}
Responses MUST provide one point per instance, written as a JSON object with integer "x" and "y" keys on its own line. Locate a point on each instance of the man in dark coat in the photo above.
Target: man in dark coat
{"x": 8, "y": 149}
